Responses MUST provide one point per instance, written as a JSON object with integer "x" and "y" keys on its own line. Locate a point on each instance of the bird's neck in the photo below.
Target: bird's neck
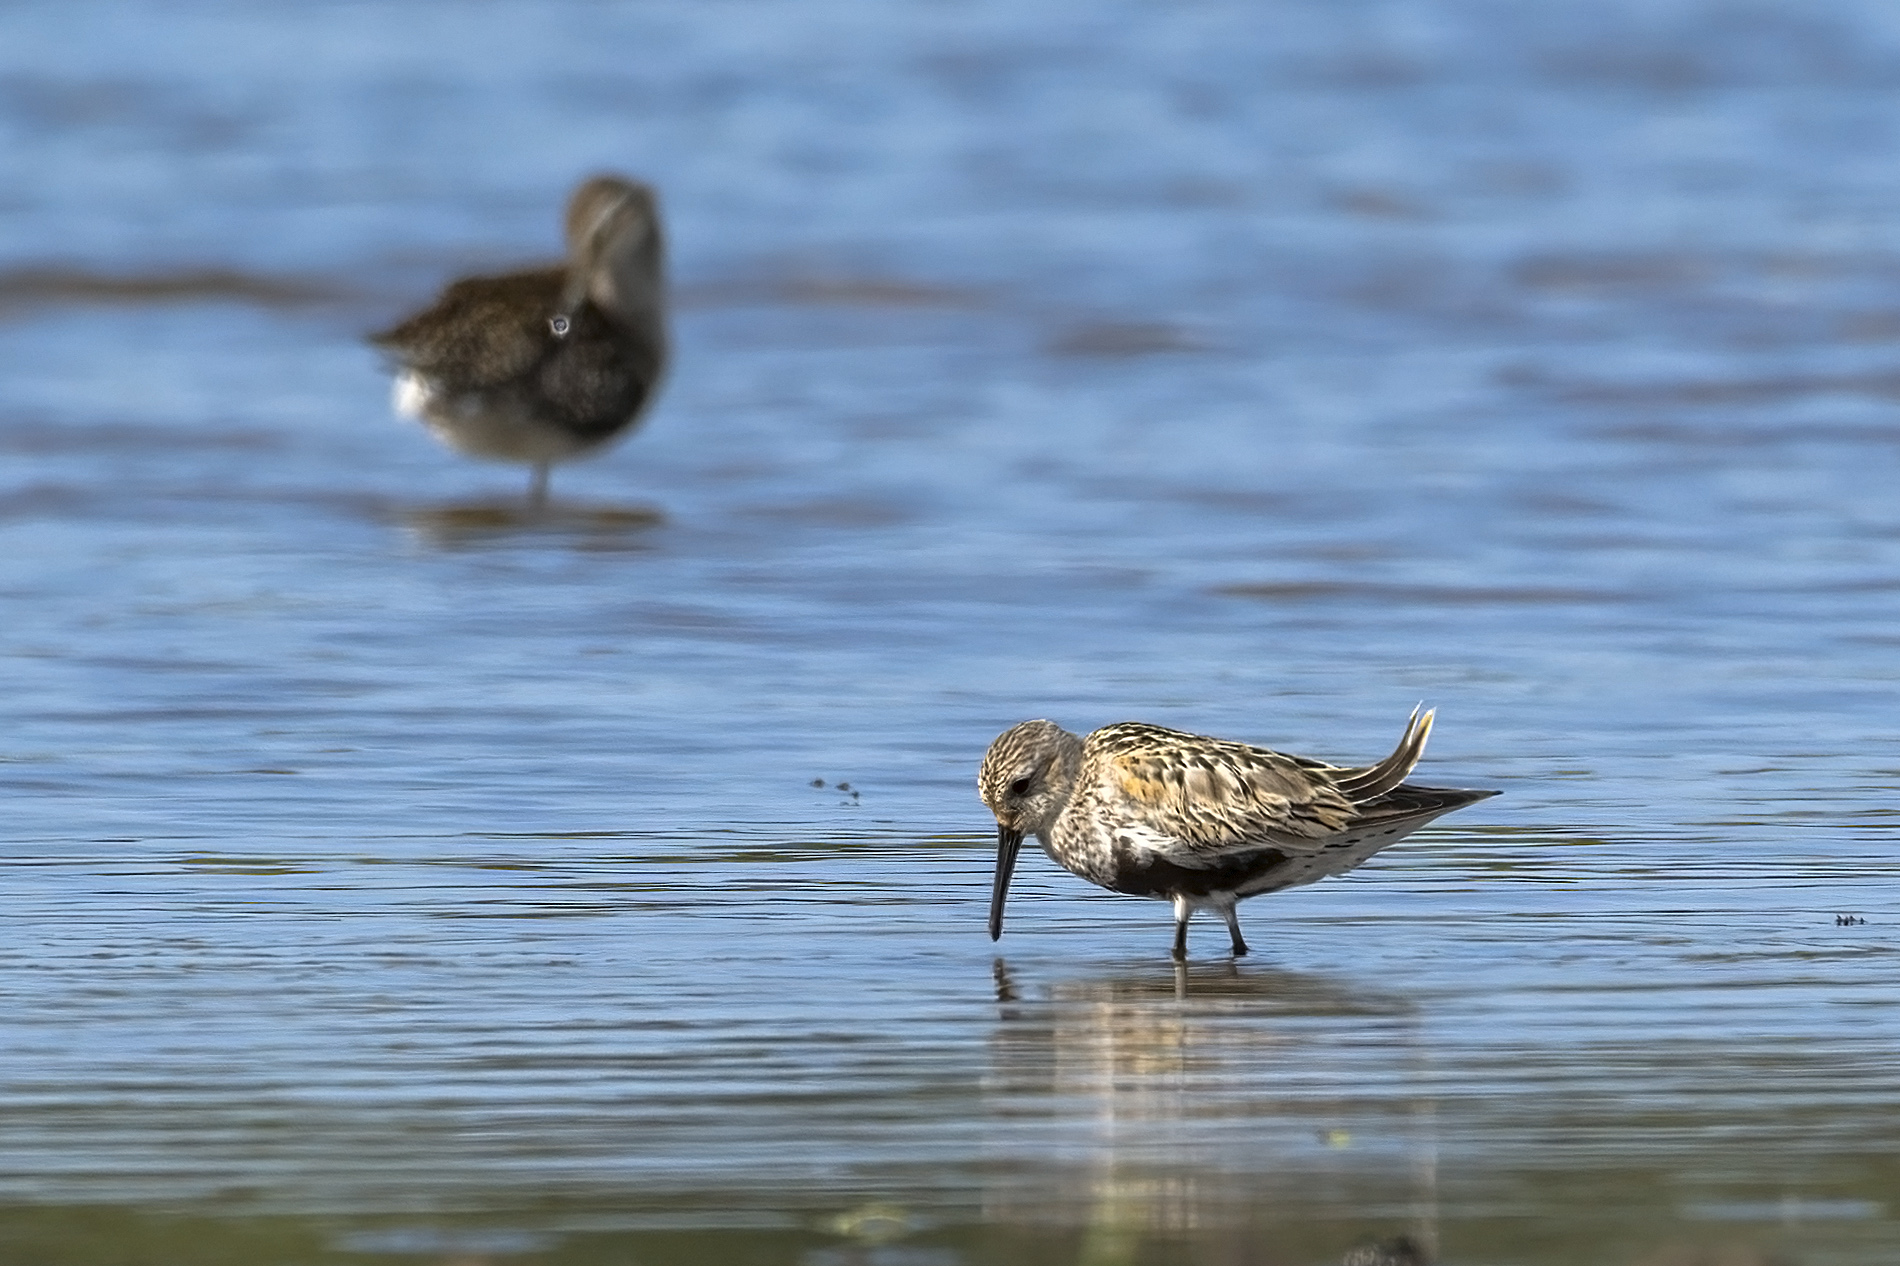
{"x": 1065, "y": 771}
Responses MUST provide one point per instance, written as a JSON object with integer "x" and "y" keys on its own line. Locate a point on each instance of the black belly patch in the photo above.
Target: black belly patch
{"x": 1150, "y": 876}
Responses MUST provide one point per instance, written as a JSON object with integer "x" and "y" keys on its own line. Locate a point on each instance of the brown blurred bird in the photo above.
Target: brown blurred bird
{"x": 549, "y": 364}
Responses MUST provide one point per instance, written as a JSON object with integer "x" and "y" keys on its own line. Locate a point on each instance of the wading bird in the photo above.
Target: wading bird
{"x": 550, "y": 364}
{"x": 1201, "y": 822}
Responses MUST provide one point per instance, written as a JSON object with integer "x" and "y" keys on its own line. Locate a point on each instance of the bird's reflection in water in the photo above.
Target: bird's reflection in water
{"x": 472, "y": 522}
{"x": 1279, "y": 1114}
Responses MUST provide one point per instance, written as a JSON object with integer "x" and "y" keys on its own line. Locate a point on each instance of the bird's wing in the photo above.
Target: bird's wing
{"x": 482, "y": 331}
{"x": 1214, "y": 797}
{"x": 1219, "y": 798}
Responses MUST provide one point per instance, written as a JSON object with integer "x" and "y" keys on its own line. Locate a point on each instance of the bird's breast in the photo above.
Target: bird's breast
{"x": 410, "y": 395}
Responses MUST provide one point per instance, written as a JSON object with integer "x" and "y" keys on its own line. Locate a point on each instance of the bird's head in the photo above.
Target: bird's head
{"x": 1027, "y": 777}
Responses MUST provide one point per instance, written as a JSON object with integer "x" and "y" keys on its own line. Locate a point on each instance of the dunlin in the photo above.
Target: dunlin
{"x": 550, "y": 364}
{"x": 1201, "y": 822}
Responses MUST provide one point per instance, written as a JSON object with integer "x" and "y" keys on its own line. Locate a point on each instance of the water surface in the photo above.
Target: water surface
{"x": 391, "y": 878}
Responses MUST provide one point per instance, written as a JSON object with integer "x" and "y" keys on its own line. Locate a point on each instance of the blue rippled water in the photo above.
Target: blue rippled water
{"x": 391, "y": 877}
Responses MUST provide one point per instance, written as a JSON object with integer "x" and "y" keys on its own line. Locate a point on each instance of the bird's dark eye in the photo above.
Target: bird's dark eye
{"x": 1019, "y": 787}
{"x": 559, "y": 326}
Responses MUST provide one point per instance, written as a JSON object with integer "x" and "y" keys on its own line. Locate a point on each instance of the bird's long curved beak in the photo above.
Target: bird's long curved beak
{"x": 1008, "y": 844}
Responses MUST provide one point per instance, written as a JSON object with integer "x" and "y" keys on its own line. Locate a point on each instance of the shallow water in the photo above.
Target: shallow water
{"x": 394, "y": 877}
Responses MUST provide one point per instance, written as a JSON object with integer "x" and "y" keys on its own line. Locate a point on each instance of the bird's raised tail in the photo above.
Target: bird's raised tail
{"x": 1369, "y": 782}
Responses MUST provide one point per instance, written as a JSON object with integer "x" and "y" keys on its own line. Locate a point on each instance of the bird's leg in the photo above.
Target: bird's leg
{"x": 1183, "y": 908}
{"x": 538, "y": 488}
{"x": 1232, "y": 915}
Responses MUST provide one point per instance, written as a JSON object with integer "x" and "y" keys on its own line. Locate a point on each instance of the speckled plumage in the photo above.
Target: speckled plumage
{"x": 1203, "y": 822}
{"x": 548, "y": 364}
